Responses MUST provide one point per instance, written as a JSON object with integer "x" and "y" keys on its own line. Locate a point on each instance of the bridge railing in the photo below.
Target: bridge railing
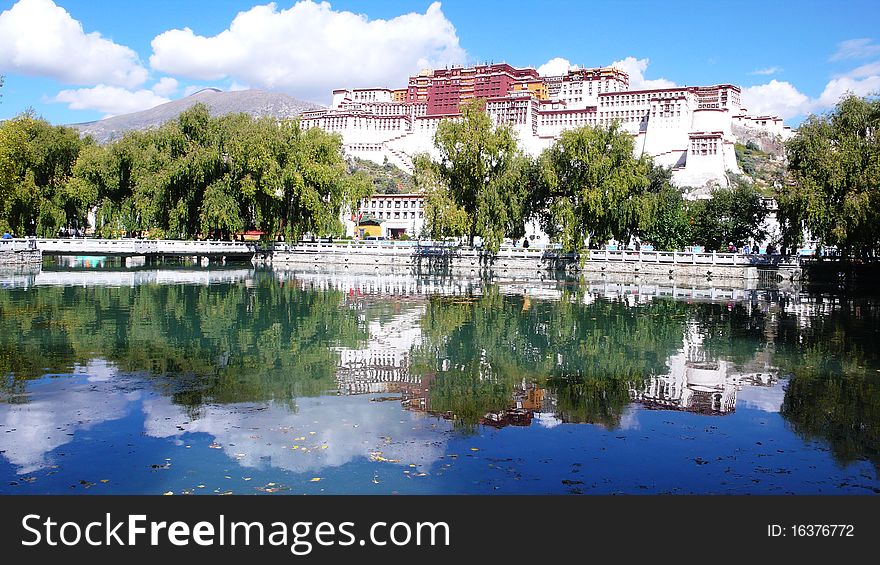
{"x": 18, "y": 244}
{"x": 133, "y": 246}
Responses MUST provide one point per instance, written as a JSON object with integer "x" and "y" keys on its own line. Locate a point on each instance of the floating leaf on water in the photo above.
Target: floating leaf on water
{"x": 246, "y": 478}
{"x": 475, "y": 449}
{"x": 315, "y": 479}
{"x": 105, "y": 480}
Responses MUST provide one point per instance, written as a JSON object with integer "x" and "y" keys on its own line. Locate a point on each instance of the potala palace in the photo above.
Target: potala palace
{"x": 688, "y": 128}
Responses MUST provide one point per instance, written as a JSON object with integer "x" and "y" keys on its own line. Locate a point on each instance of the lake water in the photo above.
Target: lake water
{"x": 216, "y": 381}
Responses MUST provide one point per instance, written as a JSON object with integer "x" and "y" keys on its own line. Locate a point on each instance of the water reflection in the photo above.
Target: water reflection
{"x": 303, "y": 372}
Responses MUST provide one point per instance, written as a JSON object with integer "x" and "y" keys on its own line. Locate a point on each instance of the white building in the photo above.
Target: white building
{"x": 398, "y": 214}
{"x": 688, "y": 128}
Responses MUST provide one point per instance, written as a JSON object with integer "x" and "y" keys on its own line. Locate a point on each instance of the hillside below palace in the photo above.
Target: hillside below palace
{"x": 688, "y": 128}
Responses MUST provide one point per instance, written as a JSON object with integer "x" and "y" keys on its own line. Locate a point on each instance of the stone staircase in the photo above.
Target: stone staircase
{"x": 396, "y": 156}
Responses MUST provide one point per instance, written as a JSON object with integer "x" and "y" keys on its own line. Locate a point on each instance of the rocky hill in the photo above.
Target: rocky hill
{"x": 761, "y": 156}
{"x": 254, "y": 102}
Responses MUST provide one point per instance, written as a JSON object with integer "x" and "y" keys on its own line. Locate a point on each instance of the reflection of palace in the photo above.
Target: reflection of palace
{"x": 382, "y": 365}
{"x": 528, "y": 399}
{"x": 696, "y": 382}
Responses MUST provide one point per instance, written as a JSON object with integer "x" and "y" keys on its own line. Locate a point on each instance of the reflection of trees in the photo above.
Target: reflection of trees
{"x": 224, "y": 343}
{"x": 480, "y": 350}
{"x": 735, "y": 333}
{"x": 833, "y": 391}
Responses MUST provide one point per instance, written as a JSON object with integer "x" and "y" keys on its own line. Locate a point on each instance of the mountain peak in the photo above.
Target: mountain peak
{"x": 257, "y": 103}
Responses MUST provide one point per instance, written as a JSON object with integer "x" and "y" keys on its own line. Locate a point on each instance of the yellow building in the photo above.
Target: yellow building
{"x": 538, "y": 87}
{"x": 369, "y": 226}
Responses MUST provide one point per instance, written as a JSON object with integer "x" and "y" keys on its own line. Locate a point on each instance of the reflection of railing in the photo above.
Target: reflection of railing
{"x": 431, "y": 248}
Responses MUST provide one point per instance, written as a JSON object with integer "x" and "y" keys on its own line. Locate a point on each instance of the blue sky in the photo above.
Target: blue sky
{"x": 81, "y": 60}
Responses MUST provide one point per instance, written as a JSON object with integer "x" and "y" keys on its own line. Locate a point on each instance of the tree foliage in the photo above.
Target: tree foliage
{"x": 38, "y": 193}
{"x": 197, "y": 176}
{"x": 834, "y": 161}
{"x": 591, "y": 186}
{"x": 732, "y": 215}
{"x": 481, "y": 171}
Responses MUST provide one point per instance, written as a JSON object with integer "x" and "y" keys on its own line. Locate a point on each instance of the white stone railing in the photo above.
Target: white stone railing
{"x": 18, "y": 244}
{"x": 682, "y": 257}
{"x": 128, "y": 246}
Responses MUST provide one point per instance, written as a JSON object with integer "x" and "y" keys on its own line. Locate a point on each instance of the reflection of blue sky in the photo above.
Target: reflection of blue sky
{"x": 264, "y": 435}
{"x": 257, "y": 436}
{"x": 56, "y": 409}
{"x": 764, "y": 398}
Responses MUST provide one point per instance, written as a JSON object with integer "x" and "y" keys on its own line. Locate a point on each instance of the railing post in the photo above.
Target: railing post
{"x": 714, "y": 257}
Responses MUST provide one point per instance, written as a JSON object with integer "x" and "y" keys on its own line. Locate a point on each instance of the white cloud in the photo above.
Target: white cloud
{"x": 636, "y": 68}
{"x": 767, "y": 71}
{"x": 555, "y": 67}
{"x": 310, "y": 49}
{"x": 856, "y": 49}
{"x": 868, "y": 70}
{"x": 839, "y": 86}
{"x": 785, "y": 100}
{"x": 39, "y": 38}
{"x": 778, "y": 98}
{"x": 111, "y": 100}
{"x": 166, "y": 86}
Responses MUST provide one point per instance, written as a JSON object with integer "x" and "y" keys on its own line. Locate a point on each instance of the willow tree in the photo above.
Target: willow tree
{"x": 314, "y": 184}
{"x": 591, "y": 185}
{"x": 36, "y": 166}
{"x": 443, "y": 217}
{"x": 834, "y": 193}
{"x": 481, "y": 171}
{"x": 209, "y": 176}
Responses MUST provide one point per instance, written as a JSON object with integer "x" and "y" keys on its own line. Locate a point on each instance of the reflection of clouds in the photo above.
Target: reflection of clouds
{"x": 629, "y": 419}
{"x": 766, "y": 398}
{"x": 57, "y": 407}
{"x": 263, "y": 435}
{"x": 547, "y": 419}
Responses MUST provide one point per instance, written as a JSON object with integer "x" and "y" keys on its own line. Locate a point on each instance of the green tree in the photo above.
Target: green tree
{"x": 732, "y": 215}
{"x": 482, "y": 170}
{"x": 443, "y": 217}
{"x": 36, "y": 166}
{"x": 591, "y": 186}
{"x": 664, "y": 219}
{"x": 213, "y": 177}
{"x": 834, "y": 193}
